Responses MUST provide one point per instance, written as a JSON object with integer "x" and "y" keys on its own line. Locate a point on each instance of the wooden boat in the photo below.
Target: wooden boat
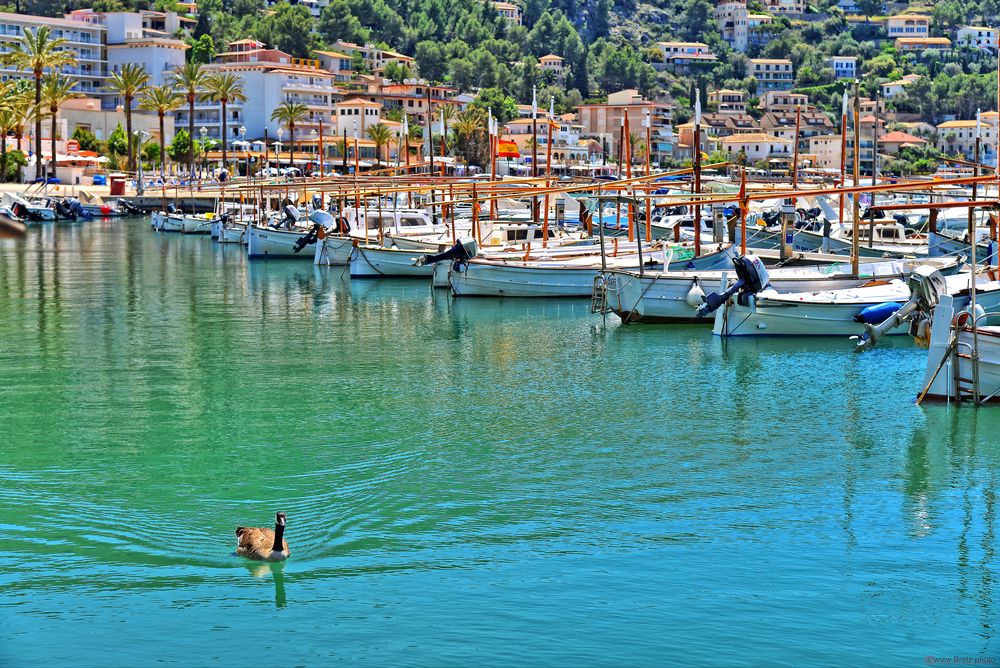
{"x": 673, "y": 297}
{"x": 570, "y": 277}
{"x": 272, "y": 242}
{"x": 832, "y": 312}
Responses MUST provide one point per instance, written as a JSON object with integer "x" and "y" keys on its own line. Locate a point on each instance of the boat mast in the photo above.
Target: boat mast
{"x": 857, "y": 169}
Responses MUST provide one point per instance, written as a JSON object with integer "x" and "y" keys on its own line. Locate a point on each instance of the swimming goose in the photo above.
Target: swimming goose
{"x": 263, "y": 544}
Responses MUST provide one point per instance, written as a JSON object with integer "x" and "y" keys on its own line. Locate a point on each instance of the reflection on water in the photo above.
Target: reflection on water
{"x": 274, "y": 571}
{"x": 509, "y": 480}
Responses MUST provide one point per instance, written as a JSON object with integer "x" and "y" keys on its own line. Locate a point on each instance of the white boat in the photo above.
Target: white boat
{"x": 833, "y": 312}
{"x": 963, "y": 354}
{"x": 28, "y": 211}
{"x": 232, "y": 233}
{"x": 163, "y": 221}
{"x": 334, "y": 250}
{"x": 197, "y": 223}
{"x": 564, "y": 275}
{"x": 673, "y": 297}
{"x": 271, "y": 242}
{"x": 368, "y": 261}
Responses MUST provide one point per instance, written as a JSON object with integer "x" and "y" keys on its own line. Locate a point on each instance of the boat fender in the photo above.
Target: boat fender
{"x": 876, "y": 313}
{"x": 695, "y": 296}
{"x": 105, "y": 210}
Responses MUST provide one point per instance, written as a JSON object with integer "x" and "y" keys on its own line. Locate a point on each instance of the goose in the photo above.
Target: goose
{"x": 263, "y": 544}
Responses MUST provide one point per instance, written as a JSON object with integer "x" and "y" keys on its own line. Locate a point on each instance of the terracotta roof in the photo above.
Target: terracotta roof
{"x": 898, "y": 137}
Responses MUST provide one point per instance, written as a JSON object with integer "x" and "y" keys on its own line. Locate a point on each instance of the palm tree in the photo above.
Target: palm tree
{"x": 291, "y": 113}
{"x": 36, "y": 52}
{"x": 381, "y": 134}
{"x": 162, "y": 100}
{"x": 128, "y": 82}
{"x": 56, "y": 89}
{"x": 469, "y": 130}
{"x": 190, "y": 77}
{"x": 447, "y": 113}
{"x": 224, "y": 87}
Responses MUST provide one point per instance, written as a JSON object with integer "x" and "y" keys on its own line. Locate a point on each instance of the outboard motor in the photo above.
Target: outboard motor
{"x": 129, "y": 208}
{"x": 291, "y": 216}
{"x": 171, "y": 208}
{"x": 463, "y": 251}
{"x": 307, "y": 239}
{"x": 321, "y": 217}
{"x": 751, "y": 278}
{"x": 65, "y": 210}
{"x": 316, "y": 203}
{"x": 770, "y": 218}
{"x": 926, "y": 287}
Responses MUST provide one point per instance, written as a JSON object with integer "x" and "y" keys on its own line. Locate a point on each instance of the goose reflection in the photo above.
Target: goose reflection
{"x": 277, "y": 571}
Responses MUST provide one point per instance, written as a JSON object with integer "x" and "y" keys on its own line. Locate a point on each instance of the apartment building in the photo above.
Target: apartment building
{"x": 785, "y": 6}
{"x": 685, "y": 56}
{"x": 732, "y": 19}
{"x": 87, "y": 41}
{"x": 756, "y": 146}
{"x": 727, "y": 101}
{"x": 270, "y": 77}
{"x": 959, "y": 138}
{"x": 411, "y": 97}
{"x": 603, "y": 121}
{"x": 771, "y": 73}
{"x": 374, "y": 57}
{"x": 908, "y": 25}
{"x": 338, "y": 64}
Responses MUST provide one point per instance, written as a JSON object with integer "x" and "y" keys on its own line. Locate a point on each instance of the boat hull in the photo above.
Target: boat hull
{"x": 270, "y": 243}
{"x": 478, "y": 279}
{"x": 373, "y": 262}
{"x": 333, "y": 251}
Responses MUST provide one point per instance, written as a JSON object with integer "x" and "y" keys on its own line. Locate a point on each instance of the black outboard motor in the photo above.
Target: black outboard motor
{"x": 65, "y": 210}
{"x": 771, "y": 217}
{"x": 463, "y": 251}
{"x": 129, "y": 208}
{"x": 307, "y": 239}
{"x": 751, "y": 278}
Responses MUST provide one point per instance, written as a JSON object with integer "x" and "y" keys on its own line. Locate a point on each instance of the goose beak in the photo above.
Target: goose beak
{"x": 279, "y": 519}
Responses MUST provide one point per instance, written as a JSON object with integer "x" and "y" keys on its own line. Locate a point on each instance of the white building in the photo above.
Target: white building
{"x": 86, "y": 41}
{"x": 844, "y": 67}
{"x": 269, "y": 77}
{"x": 978, "y": 37}
{"x": 731, "y": 16}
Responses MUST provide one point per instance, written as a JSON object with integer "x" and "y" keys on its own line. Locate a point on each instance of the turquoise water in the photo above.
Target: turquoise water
{"x": 467, "y": 482}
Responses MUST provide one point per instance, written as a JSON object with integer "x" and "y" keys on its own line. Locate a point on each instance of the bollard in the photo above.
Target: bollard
{"x": 718, "y": 222}
{"x": 787, "y": 228}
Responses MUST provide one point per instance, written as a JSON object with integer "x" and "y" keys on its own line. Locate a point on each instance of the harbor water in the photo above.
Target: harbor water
{"x": 467, "y": 482}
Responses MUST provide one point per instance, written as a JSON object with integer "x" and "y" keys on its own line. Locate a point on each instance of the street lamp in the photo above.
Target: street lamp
{"x": 142, "y": 137}
{"x": 277, "y": 154}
